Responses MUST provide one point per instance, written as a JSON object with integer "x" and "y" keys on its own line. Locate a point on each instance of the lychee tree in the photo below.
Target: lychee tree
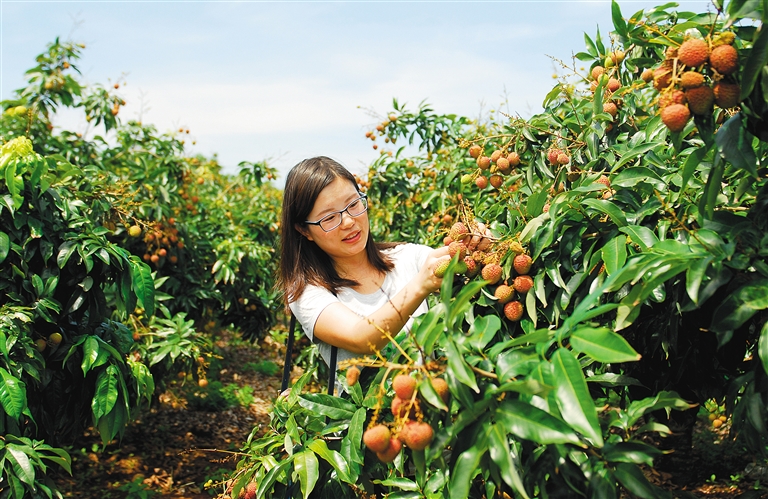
{"x": 635, "y": 248}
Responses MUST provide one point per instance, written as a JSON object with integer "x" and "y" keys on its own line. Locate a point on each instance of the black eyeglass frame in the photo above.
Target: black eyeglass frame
{"x": 362, "y": 197}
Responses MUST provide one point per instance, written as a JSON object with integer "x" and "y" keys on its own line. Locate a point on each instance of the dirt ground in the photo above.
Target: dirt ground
{"x": 173, "y": 450}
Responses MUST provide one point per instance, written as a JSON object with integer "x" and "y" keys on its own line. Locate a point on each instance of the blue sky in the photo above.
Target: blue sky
{"x": 282, "y": 81}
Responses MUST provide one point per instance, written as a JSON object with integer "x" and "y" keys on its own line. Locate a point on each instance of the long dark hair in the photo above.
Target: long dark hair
{"x": 302, "y": 262}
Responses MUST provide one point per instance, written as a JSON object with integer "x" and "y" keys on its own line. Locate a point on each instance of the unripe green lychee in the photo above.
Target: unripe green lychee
{"x": 55, "y": 338}
{"x": 441, "y": 269}
{"x": 134, "y": 231}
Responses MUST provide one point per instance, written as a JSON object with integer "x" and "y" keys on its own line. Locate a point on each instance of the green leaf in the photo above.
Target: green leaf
{"x": 307, "y": 468}
{"x": 632, "y": 479}
{"x": 531, "y": 423}
{"x": 631, "y": 452}
{"x": 603, "y": 345}
{"x": 5, "y": 246}
{"x": 615, "y": 254}
{"x": 738, "y": 308}
{"x": 462, "y": 301}
{"x": 607, "y": 207}
{"x": 143, "y": 285}
{"x": 65, "y": 251}
{"x": 502, "y": 455}
{"x": 428, "y": 327}
{"x": 573, "y": 398}
{"x": 640, "y": 235}
{"x": 483, "y": 330}
{"x": 22, "y": 467}
{"x": 618, "y": 21}
{"x": 635, "y": 152}
{"x": 756, "y": 61}
{"x": 90, "y": 353}
{"x": 106, "y": 392}
{"x": 762, "y": 347}
{"x": 328, "y": 405}
{"x": 399, "y": 483}
{"x": 13, "y": 394}
{"x": 735, "y": 145}
{"x": 691, "y": 163}
{"x": 333, "y": 458}
{"x": 459, "y": 367}
{"x": 466, "y": 467}
{"x": 633, "y": 176}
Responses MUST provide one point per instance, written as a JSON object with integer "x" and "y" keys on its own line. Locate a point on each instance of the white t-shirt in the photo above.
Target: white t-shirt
{"x": 408, "y": 260}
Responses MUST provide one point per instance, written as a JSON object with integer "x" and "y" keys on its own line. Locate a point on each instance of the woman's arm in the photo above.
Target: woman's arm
{"x": 339, "y": 326}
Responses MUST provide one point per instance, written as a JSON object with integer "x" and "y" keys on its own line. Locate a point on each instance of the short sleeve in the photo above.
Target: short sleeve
{"x": 309, "y": 305}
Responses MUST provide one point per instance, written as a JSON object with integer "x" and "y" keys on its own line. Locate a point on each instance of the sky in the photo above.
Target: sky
{"x": 282, "y": 81}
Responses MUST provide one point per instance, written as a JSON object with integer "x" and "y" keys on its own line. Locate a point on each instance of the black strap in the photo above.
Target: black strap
{"x": 332, "y": 370}
{"x": 288, "y": 364}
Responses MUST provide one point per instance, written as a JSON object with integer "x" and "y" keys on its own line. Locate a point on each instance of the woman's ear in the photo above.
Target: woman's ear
{"x": 303, "y": 231}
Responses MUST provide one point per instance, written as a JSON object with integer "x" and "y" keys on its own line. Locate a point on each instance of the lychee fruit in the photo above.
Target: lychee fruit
{"x": 495, "y": 155}
{"x": 457, "y": 247}
{"x": 441, "y": 387}
{"x": 391, "y": 452}
{"x": 458, "y": 231}
{"x": 693, "y": 52}
{"x": 417, "y": 435}
{"x": 513, "y": 158}
{"x": 700, "y": 100}
{"x": 492, "y": 272}
{"x": 503, "y": 164}
{"x": 597, "y": 71}
{"x": 563, "y": 158}
{"x": 497, "y": 180}
{"x": 400, "y": 408}
{"x": 353, "y": 374}
{"x": 691, "y": 79}
{"x": 504, "y": 293}
{"x": 250, "y": 490}
{"x": 404, "y": 385}
{"x": 727, "y": 95}
{"x": 134, "y": 231}
{"x": 483, "y": 162}
{"x": 662, "y": 77}
{"x": 668, "y": 98}
{"x": 475, "y": 150}
{"x": 675, "y": 116}
{"x": 611, "y": 108}
{"x": 603, "y": 179}
{"x": 377, "y": 438}
{"x": 522, "y": 283}
{"x": 724, "y": 59}
{"x": 481, "y": 182}
{"x": 522, "y": 263}
{"x": 514, "y": 311}
{"x": 472, "y": 268}
{"x": 613, "y": 85}
{"x": 441, "y": 269}
{"x": 552, "y": 155}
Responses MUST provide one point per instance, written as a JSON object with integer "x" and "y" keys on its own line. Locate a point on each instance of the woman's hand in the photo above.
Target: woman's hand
{"x": 481, "y": 239}
{"x": 427, "y": 277}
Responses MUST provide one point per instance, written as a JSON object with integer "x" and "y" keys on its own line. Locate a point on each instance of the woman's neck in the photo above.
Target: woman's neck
{"x": 360, "y": 269}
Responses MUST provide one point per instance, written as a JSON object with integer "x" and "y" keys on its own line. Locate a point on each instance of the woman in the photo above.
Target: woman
{"x": 343, "y": 287}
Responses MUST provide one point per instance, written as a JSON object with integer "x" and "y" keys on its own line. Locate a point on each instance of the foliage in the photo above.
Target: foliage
{"x": 648, "y": 297}
{"x": 118, "y": 252}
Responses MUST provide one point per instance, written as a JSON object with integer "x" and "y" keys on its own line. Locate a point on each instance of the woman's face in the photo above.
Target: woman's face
{"x": 350, "y": 237}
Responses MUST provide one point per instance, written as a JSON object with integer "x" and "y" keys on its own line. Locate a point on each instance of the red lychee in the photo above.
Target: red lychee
{"x": 693, "y": 52}
{"x": 522, "y": 263}
{"x": 417, "y": 435}
{"x": 700, "y": 100}
{"x": 404, "y": 385}
{"x": 475, "y": 151}
{"x": 522, "y": 283}
{"x": 391, "y": 452}
{"x": 514, "y": 311}
{"x": 504, "y": 293}
{"x": 492, "y": 272}
{"x": 724, "y": 59}
{"x": 377, "y": 438}
{"x": 727, "y": 95}
{"x": 675, "y": 116}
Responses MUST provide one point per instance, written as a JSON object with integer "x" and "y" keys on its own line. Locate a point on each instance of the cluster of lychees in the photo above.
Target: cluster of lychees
{"x": 485, "y": 262}
{"x": 408, "y": 427}
{"x": 501, "y": 162}
{"x": 611, "y": 85}
{"x": 694, "y": 77}
{"x": 162, "y": 241}
{"x": 381, "y": 131}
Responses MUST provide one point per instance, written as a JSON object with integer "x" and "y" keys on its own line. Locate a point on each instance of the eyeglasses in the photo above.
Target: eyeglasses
{"x": 333, "y": 220}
